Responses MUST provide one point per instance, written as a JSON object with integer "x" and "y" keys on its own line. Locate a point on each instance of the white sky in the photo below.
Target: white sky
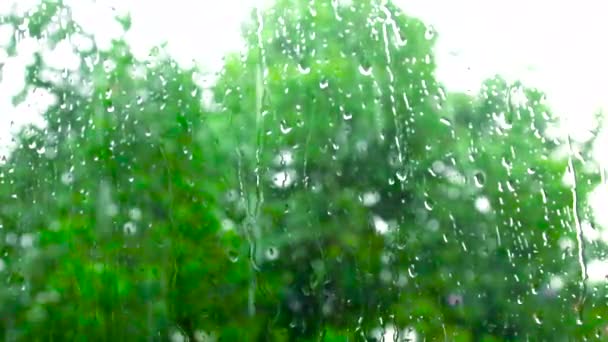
{"x": 555, "y": 45}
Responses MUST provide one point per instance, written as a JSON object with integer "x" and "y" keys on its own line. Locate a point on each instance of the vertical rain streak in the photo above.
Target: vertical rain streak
{"x": 580, "y": 239}
{"x": 388, "y": 20}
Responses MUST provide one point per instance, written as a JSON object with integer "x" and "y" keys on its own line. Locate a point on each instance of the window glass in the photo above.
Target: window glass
{"x": 294, "y": 170}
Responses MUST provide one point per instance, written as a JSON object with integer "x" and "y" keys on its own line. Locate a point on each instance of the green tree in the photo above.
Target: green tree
{"x": 471, "y": 188}
{"x": 111, "y": 223}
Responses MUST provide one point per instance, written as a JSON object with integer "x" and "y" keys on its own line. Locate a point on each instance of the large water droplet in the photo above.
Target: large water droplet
{"x": 272, "y": 253}
{"x": 428, "y": 205}
{"x": 285, "y": 128}
{"x": 303, "y": 69}
{"x": 129, "y": 228}
{"x": 479, "y": 179}
{"x": 365, "y": 70}
{"x": 401, "y": 175}
{"x": 324, "y": 84}
{"x": 446, "y": 121}
{"x": 233, "y": 255}
{"x": 429, "y": 33}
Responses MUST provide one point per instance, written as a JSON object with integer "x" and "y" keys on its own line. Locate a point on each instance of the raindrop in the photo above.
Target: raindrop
{"x": 365, "y": 71}
{"x": 401, "y": 175}
{"x": 446, "y": 122}
{"x": 272, "y": 253}
{"x": 455, "y": 299}
{"x": 506, "y": 163}
{"x": 233, "y": 255}
{"x": 129, "y": 228}
{"x": 111, "y": 109}
{"x": 285, "y": 128}
{"x": 480, "y": 179}
{"x": 429, "y": 33}
{"x": 428, "y": 204}
{"x": 303, "y": 69}
{"x": 347, "y": 116}
{"x": 324, "y": 84}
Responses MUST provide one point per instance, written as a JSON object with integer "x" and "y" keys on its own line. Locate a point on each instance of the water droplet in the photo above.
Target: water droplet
{"x": 111, "y": 109}
{"x": 480, "y": 179}
{"x": 324, "y": 84}
{"x": 303, "y": 69}
{"x": 428, "y": 204}
{"x": 506, "y": 163}
{"x": 272, "y": 253}
{"x": 365, "y": 70}
{"x": 445, "y": 121}
{"x": 347, "y": 116}
{"x": 401, "y": 175}
{"x": 285, "y": 128}
{"x": 129, "y": 228}
{"x": 429, "y": 33}
{"x": 233, "y": 256}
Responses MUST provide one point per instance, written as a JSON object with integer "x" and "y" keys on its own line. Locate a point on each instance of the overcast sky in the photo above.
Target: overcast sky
{"x": 555, "y": 45}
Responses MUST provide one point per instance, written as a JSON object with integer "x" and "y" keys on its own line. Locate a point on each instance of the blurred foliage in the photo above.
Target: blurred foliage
{"x": 333, "y": 191}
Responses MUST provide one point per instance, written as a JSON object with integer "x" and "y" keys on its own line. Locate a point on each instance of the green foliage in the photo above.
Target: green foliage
{"x": 333, "y": 192}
